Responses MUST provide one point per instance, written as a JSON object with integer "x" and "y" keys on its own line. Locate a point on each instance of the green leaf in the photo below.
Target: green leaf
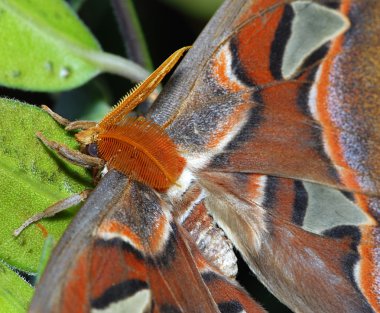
{"x": 43, "y": 44}
{"x": 15, "y": 293}
{"x": 31, "y": 179}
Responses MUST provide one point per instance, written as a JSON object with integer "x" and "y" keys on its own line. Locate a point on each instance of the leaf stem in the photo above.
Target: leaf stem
{"x": 115, "y": 64}
{"x": 131, "y": 32}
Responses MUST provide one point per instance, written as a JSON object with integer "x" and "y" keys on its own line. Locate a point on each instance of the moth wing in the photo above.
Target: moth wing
{"x": 309, "y": 244}
{"x": 264, "y": 93}
{"x": 318, "y": 124}
{"x": 271, "y": 87}
{"x": 123, "y": 252}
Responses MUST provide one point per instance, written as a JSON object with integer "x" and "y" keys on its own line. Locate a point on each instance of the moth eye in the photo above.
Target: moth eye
{"x": 92, "y": 149}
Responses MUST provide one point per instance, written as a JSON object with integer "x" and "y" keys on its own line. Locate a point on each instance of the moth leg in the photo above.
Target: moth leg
{"x": 54, "y": 209}
{"x": 69, "y": 125}
{"x": 73, "y": 156}
{"x": 58, "y": 118}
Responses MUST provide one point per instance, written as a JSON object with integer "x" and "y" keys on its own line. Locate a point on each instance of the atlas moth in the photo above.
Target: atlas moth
{"x": 273, "y": 123}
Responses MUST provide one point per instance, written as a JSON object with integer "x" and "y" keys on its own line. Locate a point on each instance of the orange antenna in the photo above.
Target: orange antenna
{"x": 141, "y": 91}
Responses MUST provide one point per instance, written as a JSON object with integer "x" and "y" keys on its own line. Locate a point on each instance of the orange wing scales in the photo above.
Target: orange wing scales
{"x": 141, "y": 149}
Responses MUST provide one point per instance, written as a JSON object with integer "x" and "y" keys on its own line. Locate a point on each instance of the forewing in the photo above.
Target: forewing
{"x": 272, "y": 88}
{"x": 124, "y": 253}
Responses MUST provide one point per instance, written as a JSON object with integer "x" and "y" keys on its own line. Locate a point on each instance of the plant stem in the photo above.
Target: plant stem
{"x": 117, "y": 65}
{"x": 131, "y": 32}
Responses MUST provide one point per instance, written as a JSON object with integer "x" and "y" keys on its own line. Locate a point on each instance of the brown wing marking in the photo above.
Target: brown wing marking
{"x": 298, "y": 266}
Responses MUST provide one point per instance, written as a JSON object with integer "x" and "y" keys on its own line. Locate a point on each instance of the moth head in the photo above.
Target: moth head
{"x": 88, "y": 136}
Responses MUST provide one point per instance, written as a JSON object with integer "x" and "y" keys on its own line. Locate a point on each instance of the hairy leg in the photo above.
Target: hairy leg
{"x": 69, "y": 125}
{"x": 54, "y": 209}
